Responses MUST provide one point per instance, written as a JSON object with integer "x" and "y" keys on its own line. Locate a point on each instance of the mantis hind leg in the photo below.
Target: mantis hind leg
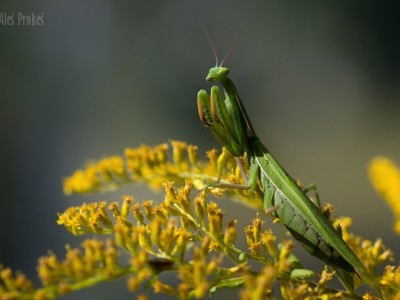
{"x": 311, "y": 188}
{"x": 326, "y": 209}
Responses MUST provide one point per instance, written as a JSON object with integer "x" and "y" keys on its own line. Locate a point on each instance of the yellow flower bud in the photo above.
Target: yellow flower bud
{"x": 127, "y": 200}
{"x": 230, "y": 233}
{"x": 148, "y": 209}
{"x": 144, "y": 239}
{"x": 160, "y": 287}
{"x": 137, "y": 213}
{"x": 178, "y": 153}
{"x": 199, "y": 203}
{"x": 193, "y": 155}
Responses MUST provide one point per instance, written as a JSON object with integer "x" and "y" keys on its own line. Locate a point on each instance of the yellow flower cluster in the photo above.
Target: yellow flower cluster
{"x": 187, "y": 234}
{"x": 98, "y": 259}
{"x": 12, "y": 286}
{"x": 372, "y": 254}
{"x": 390, "y": 282}
{"x": 149, "y": 164}
{"x": 318, "y": 290}
{"x": 147, "y": 226}
{"x": 385, "y": 177}
{"x": 157, "y": 241}
{"x": 148, "y": 229}
{"x": 96, "y": 263}
{"x": 92, "y": 217}
{"x": 175, "y": 162}
{"x": 259, "y": 286}
{"x": 82, "y": 181}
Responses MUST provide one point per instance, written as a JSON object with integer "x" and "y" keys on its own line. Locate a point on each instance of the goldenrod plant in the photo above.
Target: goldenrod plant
{"x": 385, "y": 177}
{"x": 186, "y": 234}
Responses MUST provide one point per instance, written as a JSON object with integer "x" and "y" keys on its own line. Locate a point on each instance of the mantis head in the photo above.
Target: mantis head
{"x": 217, "y": 73}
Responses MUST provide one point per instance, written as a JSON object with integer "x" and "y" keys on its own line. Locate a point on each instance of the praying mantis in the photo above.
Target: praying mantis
{"x": 228, "y": 121}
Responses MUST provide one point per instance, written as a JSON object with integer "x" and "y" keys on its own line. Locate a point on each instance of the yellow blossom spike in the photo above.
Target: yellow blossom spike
{"x": 371, "y": 253}
{"x": 222, "y": 160}
{"x": 127, "y": 200}
{"x": 183, "y": 196}
{"x": 170, "y": 194}
{"x": 257, "y": 224}
{"x": 215, "y": 219}
{"x": 142, "y": 297}
{"x": 385, "y": 177}
{"x": 144, "y": 238}
{"x": 175, "y": 236}
{"x": 161, "y": 153}
{"x": 178, "y": 153}
{"x": 160, "y": 287}
{"x": 15, "y": 282}
{"x": 82, "y": 181}
{"x": 111, "y": 259}
{"x": 268, "y": 240}
{"x": 139, "y": 261}
{"x": 121, "y": 232}
{"x": 199, "y": 205}
{"x": 390, "y": 282}
{"x": 255, "y": 248}
{"x": 87, "y": 218}
{"x": 230, "y": 234}
{"x": 205, "y": 246}
{"x": 111, "y": 166}
{"x": 137, "y": 213}
{"x": 259, "y": 286}
{"x": 248, "y": 230}
{"x": 327, "y": 210}
{"x": 183, "y": 291}
{"x": 183, "y": 236}
{"x": 213, "y": 157}
{"x": 113, "y": 207}
{"x": 155, "y": 165}
{"x": 326, "y": 276}
{"x": 155, "y": 228}
{"x": 284, "y": 262}
{"x": 168, "y": 237}
{"x": 161, "y": 212}
{"x": 193, "y": 155}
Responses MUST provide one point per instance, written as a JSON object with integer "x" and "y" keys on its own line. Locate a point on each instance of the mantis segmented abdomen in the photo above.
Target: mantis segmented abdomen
{"x": 299, "y": 227}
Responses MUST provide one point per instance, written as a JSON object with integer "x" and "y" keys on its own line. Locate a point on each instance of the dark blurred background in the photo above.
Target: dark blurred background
{"x": 320, "y": 80}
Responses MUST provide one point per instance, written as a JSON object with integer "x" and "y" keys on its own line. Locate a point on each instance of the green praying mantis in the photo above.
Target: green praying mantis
{"x": 227, "y": 119}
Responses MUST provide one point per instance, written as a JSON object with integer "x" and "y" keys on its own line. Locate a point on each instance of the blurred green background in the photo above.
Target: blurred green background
{"x": 320, "y": 80}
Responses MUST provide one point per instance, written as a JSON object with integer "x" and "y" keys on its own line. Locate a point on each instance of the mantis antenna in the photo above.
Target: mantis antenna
{"x": 233, "y": 45}
{"x": 235, "y": 42}
{"x": 210, "y": 42}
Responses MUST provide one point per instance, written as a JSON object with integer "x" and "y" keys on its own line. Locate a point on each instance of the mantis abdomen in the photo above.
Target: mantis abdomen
{"x": 299, "y": 215}
{"x": 300, "y": 229}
